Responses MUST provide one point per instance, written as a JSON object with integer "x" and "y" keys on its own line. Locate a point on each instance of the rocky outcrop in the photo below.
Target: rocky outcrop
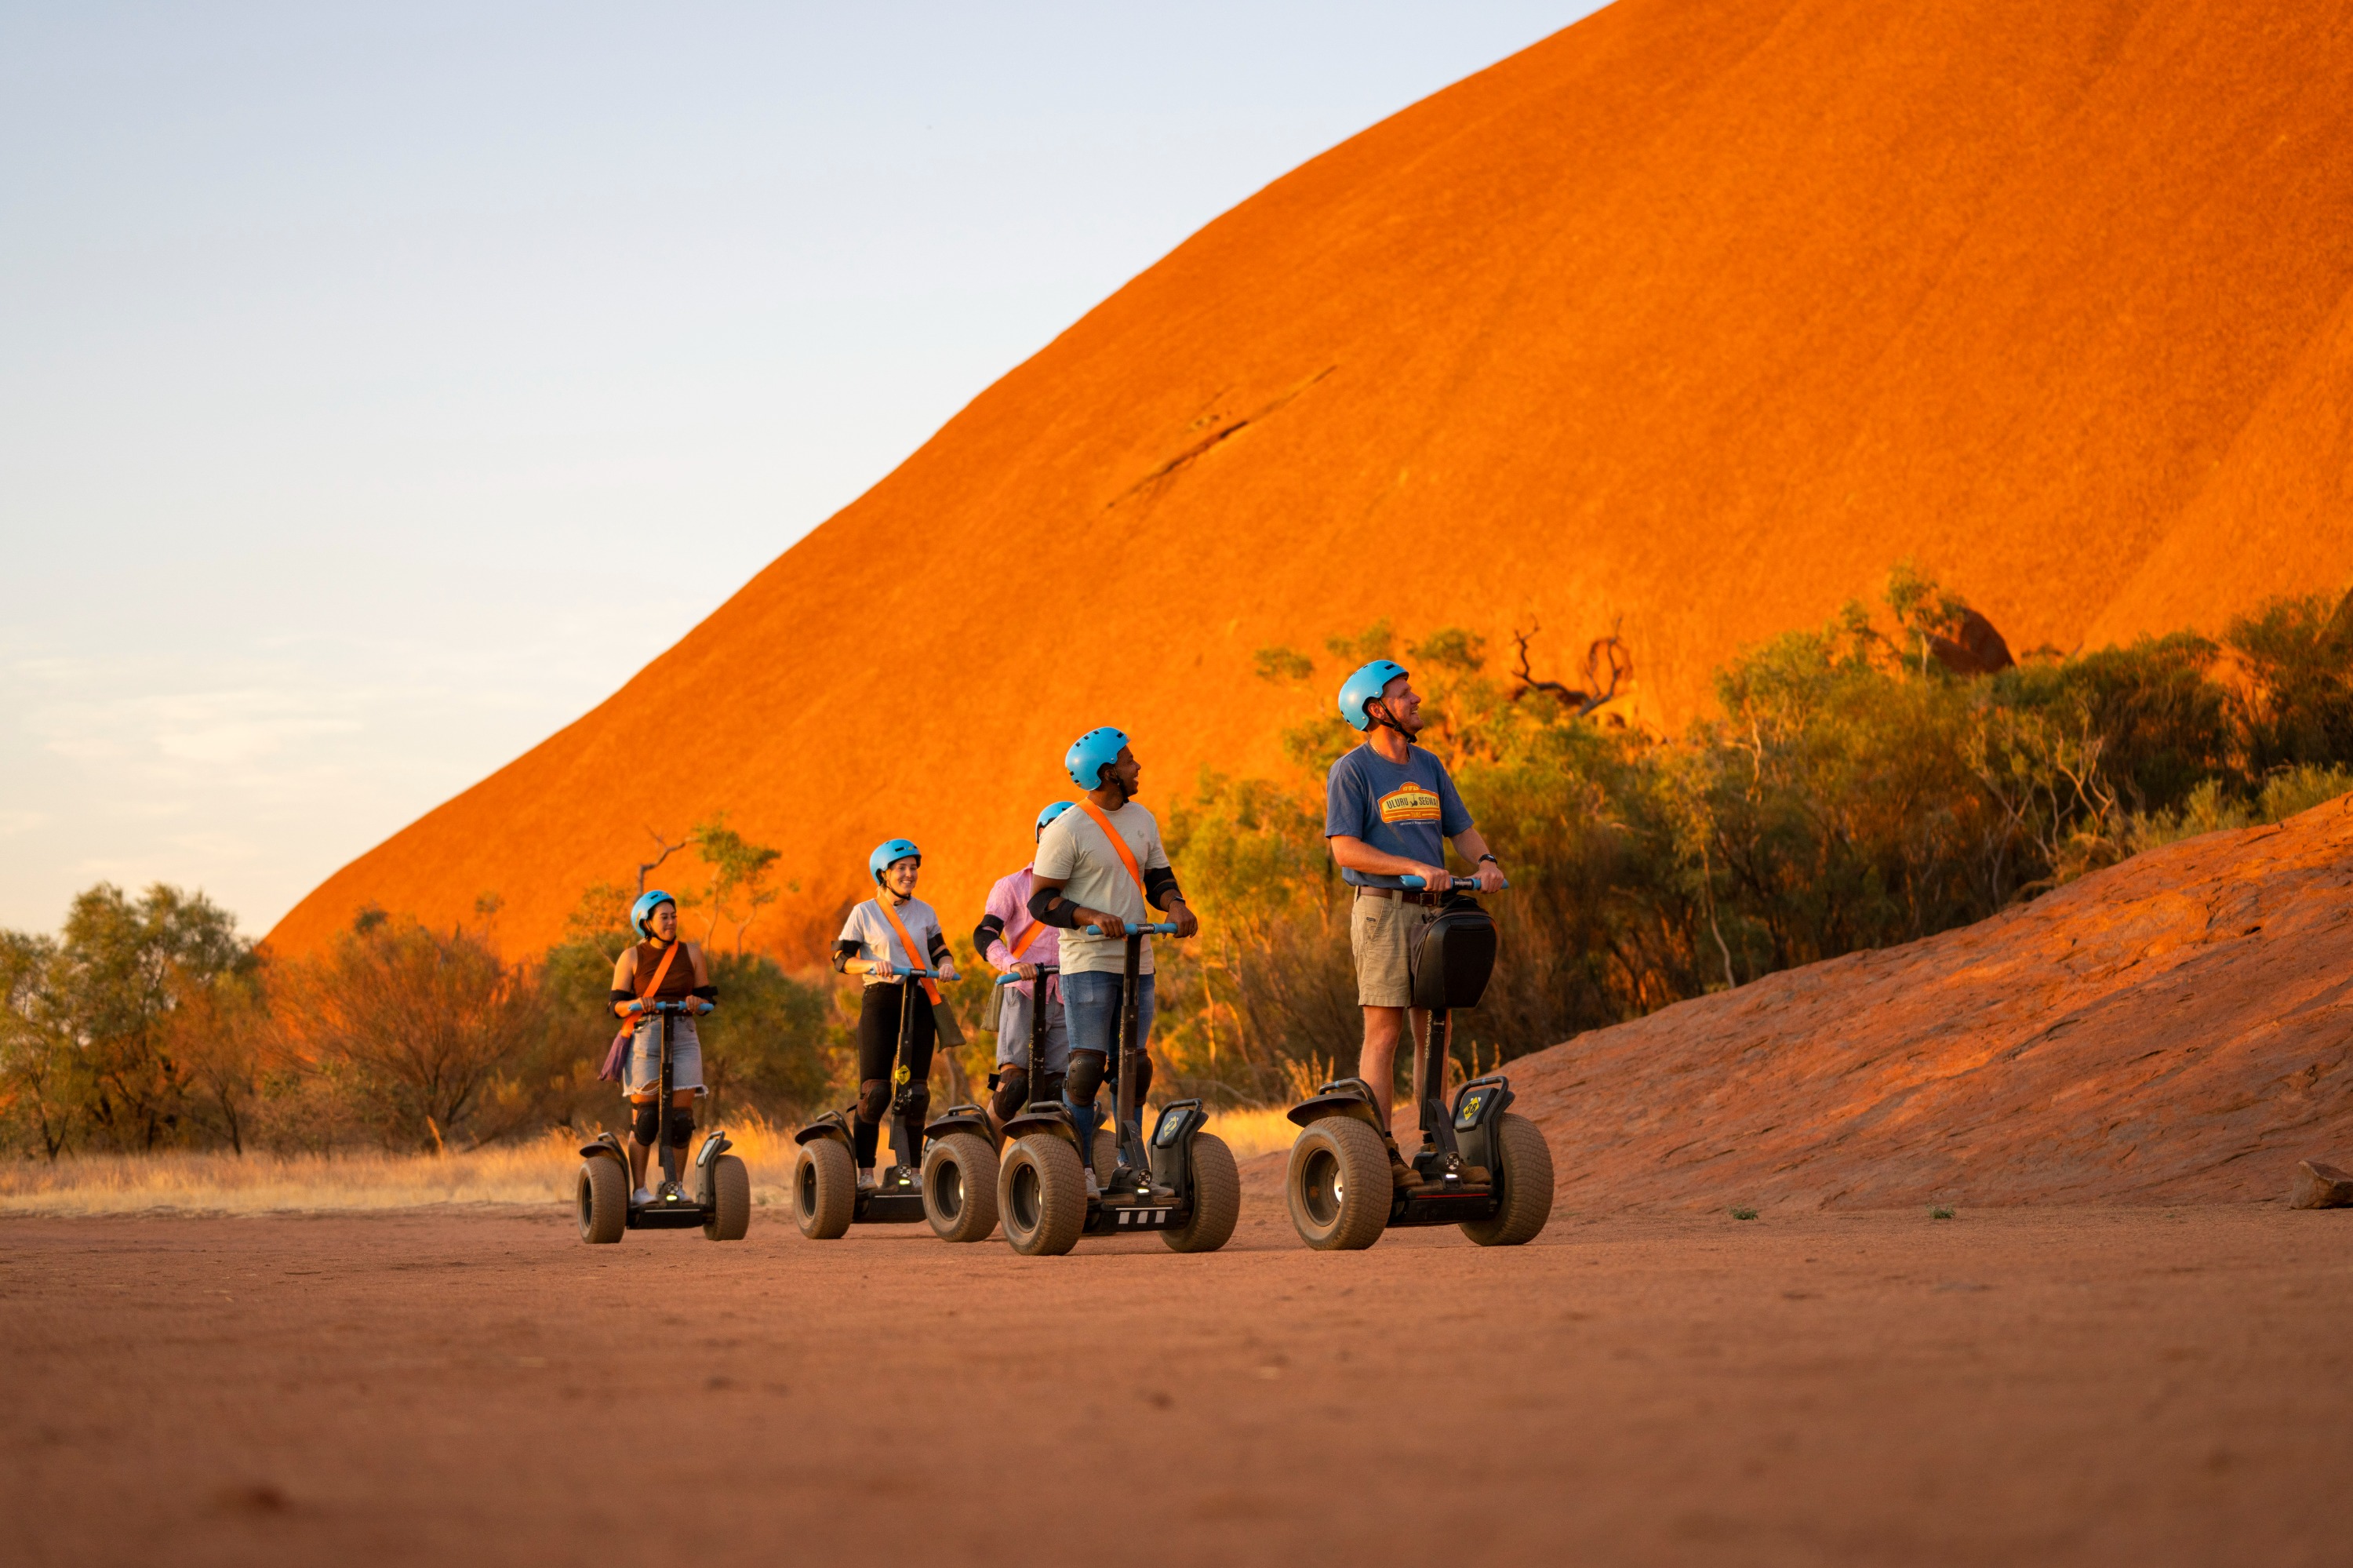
{"x": 2178, "y": 1028}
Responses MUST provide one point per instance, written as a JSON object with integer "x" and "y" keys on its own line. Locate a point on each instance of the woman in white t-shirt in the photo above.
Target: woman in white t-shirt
{"x": 875, "y": 942}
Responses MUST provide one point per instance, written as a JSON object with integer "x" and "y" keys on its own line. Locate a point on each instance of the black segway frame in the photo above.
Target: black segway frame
{"x": 897, "y": 1197}
{"x": 680, "y": 1213}
{"x": 1152, "y": 1188}
{"x": 1455, "y": 1171}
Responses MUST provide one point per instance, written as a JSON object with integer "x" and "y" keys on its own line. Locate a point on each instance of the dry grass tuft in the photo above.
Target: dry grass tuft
{"x": 534, "y": 1172}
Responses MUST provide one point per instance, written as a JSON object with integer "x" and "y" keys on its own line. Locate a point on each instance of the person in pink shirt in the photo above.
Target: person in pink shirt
{"x": 1018, "y": 942}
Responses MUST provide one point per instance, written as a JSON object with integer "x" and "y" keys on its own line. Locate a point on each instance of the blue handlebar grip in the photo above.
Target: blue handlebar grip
{"x": 1415, "y": 882}
{"x": 1009, "y": 979}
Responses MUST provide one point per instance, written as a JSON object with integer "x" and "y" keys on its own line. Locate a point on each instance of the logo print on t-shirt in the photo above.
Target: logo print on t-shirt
{"x": 1409, "y": 802}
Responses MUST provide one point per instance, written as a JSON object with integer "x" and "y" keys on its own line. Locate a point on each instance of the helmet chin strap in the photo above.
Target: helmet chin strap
{"x": 1385, "y": 722}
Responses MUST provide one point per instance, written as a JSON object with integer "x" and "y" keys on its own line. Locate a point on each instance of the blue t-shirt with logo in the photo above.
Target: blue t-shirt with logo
{"x": 1407, "y": 808}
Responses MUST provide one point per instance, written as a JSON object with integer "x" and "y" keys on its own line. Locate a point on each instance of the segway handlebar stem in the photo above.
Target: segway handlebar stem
{"x": 1157, "y": 928}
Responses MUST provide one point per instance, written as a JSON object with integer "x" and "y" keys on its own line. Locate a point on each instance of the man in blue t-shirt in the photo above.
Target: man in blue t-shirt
{"x": 1389, "y": 809}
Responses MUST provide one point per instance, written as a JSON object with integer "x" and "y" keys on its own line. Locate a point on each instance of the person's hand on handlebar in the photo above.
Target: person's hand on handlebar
{"x": 1434, "y": 878}
{"x": 1491, "y": 877}
{"x": 1110, "y": 925}
{"x": 1187, "y": 923}
{"x": 1026, "y": 971}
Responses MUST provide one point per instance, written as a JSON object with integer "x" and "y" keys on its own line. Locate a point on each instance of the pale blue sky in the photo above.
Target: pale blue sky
{"x": 367, "y": 373}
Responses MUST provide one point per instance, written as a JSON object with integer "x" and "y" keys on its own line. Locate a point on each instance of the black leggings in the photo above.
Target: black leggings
{"x": 878, "y": 1051}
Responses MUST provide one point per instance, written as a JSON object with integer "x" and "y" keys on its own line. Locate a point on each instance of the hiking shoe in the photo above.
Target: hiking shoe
{"x": 641, "y": 1198}
{"x": 1093, "y": 1190}
{"x": 866, "y": 1183}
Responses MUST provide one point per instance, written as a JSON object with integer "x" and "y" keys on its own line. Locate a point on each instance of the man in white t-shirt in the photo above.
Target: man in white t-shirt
{"x": 1103, "y": 865}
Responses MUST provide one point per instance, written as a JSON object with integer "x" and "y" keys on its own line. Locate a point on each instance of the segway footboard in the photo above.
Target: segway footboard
{"x": 1462, "y": 1190}
{"x": 1164, "y": 1199}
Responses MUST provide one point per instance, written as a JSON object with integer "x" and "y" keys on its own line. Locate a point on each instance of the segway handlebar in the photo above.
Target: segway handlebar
{"x": 904, "y": 972}
{"x": 1157, "y": 928}
{"x": 1460, "y": 883}
{"x": 683, "y": 1008}
{"x": 1042, "y": 968}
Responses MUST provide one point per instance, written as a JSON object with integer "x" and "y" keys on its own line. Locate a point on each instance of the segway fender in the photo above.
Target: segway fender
{"x": 957, "y": 1118}
{"x": 1344, "y": 1096}
{"x": 1034, "y": 1119}
{"x": 606, "y": 1144}
{"x": 717, "y": 1144}
{"x": 833, "y": 1124}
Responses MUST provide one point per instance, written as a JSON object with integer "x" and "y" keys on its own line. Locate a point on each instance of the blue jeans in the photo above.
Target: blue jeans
{"x": 1090, "y": 1010}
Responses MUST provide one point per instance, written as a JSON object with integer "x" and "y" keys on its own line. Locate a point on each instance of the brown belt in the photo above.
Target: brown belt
{"x": 1409, "y": 895}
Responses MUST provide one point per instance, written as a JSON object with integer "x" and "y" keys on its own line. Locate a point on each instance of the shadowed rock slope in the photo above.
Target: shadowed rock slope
{"x": 2176, "y": 1029}
{"x": 1697, "y": 315}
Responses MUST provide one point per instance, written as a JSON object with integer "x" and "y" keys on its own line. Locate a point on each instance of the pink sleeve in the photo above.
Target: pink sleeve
{"x": 1006, "y": 906}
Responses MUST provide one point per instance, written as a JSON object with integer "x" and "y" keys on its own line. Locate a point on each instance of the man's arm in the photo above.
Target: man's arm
{"x": 1472, "y": 847}
{"x": 1046, "y": 902}
{"x": 1356, "y": 855}
{"x": 1160, "y": 891}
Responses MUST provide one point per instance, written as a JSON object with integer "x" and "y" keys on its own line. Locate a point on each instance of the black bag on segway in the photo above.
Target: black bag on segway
{"x": 1450, "y": 958}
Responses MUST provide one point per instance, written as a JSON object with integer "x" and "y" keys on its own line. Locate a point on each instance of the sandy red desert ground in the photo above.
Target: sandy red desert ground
{"x": 2084, "y": 1386}
{"x": 1700, "y": 314}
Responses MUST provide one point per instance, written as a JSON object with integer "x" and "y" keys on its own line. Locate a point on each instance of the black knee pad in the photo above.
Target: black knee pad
{"x": 1143, "y": 1079}
{"x": 873, "y": 1099}
{"x": 1012, "y": 1087}
{"x": 648, "y": 1123}
{"x": 682, "y": 1126}
{"x": 1086, "y": 1078}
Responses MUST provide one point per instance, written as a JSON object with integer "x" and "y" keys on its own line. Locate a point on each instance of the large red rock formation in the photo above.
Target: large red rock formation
{"x": 2179, "y": 1028}
{"x": 1695, "y": 314}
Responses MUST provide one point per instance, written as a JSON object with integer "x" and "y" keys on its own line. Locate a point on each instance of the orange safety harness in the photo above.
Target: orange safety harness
{"x": 661, "y": 970}
{"x": 1127, "y": 855}
{"x": 882, "y": 902}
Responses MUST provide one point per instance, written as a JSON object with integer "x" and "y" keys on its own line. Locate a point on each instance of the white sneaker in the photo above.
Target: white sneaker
{"x": 642, "y": 1198}
{"x": 1093, "y": 1190}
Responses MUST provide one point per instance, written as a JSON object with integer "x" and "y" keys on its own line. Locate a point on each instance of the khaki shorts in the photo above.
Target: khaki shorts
{"x": 1377, "y": 929}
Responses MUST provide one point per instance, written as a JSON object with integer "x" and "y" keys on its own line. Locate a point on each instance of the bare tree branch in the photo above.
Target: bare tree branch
{"x": 1611, "y": 652}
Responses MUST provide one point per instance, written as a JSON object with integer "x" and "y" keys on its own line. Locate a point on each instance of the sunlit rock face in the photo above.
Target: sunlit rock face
{"x": 1689, "y": 320}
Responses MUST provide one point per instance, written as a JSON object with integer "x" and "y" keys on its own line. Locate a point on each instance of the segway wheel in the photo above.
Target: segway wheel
{"x": 1042, "y": 1196}
{"x": 825, "y": 1189}
{"x": 1338, "y": 1185}
{"x": 1216, "y": 1198}
{"x": 602, "y": 1193}
{"x": 960, "y": 1187}
{"x": 1527, "y": 1179}
{"x": 731, "y": 1201}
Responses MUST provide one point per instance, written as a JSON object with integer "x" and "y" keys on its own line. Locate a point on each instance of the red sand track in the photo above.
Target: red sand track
{"x": 1695, "y": 314}
{"x": 2011, "y": 1388}
{"x": 2179, "y": 1028}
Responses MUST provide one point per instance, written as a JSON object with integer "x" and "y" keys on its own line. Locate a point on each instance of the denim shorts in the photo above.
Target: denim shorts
{"x": 643, "y": 1074}
{"x": 1013, "y": 1030}
{"x": 1091, "y": 1005}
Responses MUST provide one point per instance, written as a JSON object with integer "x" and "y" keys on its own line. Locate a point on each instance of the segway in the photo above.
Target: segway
{"x": 722, "y": 1203}
{"x": 1479, "y": 1166}
{"x": 1182, "y": 1183}
{"x": 827, "y": 1200}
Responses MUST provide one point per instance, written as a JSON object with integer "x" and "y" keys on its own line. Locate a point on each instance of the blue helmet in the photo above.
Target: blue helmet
{"x": 1052, "y": 811}
{"x": 1364, "y": 686}
{"x": 1090, "y": 754}
{"x": 643, "y": 910}
{"x": 888, "y": 852}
